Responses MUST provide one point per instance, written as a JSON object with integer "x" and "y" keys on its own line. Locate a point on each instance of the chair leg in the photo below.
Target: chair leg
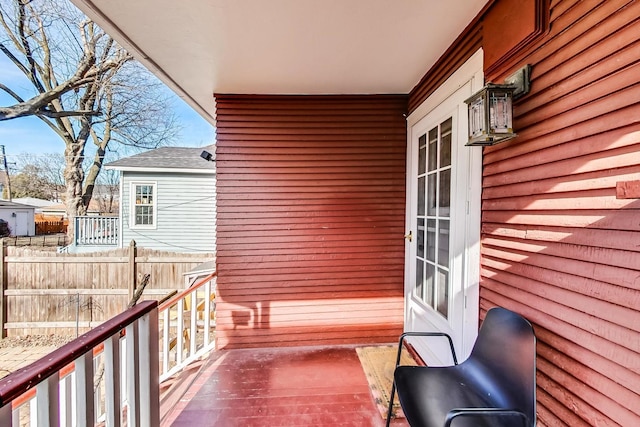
{"x": 393, "y": 383}
{"x": 390, "y": 411}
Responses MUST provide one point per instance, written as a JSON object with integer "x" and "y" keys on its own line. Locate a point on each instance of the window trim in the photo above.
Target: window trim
{"x": 132, "y": 205}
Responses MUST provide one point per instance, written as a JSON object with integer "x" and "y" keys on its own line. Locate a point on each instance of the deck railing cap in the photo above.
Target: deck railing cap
{"x": 22, "y": 380}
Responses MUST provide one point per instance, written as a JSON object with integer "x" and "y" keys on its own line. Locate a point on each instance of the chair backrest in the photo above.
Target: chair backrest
{"x": 503, "y": 360}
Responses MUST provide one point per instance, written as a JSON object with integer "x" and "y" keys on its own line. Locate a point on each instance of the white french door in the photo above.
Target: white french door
{"x": 443, "y": 219}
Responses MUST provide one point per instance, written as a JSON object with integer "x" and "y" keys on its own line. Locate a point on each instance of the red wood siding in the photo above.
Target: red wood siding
{"x": 311, "y": 193}
{"x": 558, "y": 245}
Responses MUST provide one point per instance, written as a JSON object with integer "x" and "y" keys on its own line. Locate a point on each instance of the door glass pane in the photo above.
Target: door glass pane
{"x": 431, "y": 240}
{"x": 443, "y": 243}
{"x": 432, "y": 217}
{"x": 430, "y": 271}
{"x": 422, "y": 154}
{"x": 419, "y": 278}
{"x": 444, "y": 192}
{"x": 443, "y": 292}
{"x": 445, "y": 144}
{"x": 420, "y": 238}
{"x": 431, "y": 194}
{"x": 421, "y": 195}
{"x": 432, "y": 151}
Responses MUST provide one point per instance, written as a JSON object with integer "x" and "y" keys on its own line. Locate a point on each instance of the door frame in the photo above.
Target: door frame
{"x": 469, "y": 74}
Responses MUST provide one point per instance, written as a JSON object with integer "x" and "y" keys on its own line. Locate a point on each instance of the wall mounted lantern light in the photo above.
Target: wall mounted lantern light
{"x": 491, "y": 115}
{"x": 491, "y": 109}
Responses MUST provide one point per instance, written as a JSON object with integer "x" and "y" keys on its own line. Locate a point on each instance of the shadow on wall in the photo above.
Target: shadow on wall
{"x": 560, "y": 246}
{"x": 256, "y": 315}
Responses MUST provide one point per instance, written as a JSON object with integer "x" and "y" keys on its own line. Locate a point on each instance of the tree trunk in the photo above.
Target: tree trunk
{"x": 74, "y": 177}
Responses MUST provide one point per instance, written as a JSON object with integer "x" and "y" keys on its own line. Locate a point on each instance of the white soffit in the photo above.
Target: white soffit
{"x": 200, "y": 47}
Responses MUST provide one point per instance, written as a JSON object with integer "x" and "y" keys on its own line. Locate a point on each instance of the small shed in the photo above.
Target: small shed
{"x": 19, "y": 217}
{"x": 168, "y": 199}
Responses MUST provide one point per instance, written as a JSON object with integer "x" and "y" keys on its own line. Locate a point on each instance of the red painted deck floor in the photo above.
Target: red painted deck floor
{"x": 309, "y": 386}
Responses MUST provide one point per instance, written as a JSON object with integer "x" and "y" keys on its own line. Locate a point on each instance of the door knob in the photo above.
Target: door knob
{"x": 409, "y": 236}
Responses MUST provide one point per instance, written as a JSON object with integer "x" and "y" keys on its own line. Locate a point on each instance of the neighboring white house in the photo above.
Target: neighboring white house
{"x": 21, "y": 218}
{"x": 168, "y": 199}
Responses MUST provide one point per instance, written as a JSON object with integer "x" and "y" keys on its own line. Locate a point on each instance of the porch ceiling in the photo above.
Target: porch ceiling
{"x": 200, "y": 47}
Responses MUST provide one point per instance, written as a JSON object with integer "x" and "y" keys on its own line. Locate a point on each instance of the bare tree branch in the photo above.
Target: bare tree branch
{"x": 13, "y": 59}
{"x": 11, "y": 93}
{"x": 137, "y": 294}
{"x": 24, "y": 41}
{"x": 85, "y": 87}
{"x": 37, "y": 107}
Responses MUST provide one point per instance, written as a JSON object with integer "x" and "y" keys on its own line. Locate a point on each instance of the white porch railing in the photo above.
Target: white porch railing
{"x": 96, "y": 230}
{"x": 187, "y": 323}
{"x": 103, "y": 376}
{"x": 107, "y": 375}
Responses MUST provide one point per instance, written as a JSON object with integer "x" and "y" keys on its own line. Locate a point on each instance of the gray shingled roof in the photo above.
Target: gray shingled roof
{"x": 167, "y": 158}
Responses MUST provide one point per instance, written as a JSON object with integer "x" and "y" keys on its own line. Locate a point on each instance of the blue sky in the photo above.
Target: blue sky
{"x": 31, "y": 135}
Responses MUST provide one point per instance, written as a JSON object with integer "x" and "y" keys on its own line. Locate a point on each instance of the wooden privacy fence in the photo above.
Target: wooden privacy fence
{"x": 45, "y": 292}
{"x": 51, "y": 227}
{"x": 43, "y": 240}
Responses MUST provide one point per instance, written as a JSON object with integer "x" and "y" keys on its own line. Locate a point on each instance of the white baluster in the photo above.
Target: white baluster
{"x": 133, "y": 397}
{"x": 85, "y": 415}
{"x": 112, "y": 380}
{"x": 149, "y": 391}
{"x": 47, "y": 401}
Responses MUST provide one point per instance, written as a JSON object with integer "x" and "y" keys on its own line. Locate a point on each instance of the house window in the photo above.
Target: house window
{"x": 143, "y": 201}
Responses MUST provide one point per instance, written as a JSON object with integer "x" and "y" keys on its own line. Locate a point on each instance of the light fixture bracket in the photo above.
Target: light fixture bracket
{"x": 521, "y": 81}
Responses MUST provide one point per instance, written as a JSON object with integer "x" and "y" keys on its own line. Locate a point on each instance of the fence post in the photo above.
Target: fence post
{"x": 3, "y": 286}
{"x": 132, "y": 268}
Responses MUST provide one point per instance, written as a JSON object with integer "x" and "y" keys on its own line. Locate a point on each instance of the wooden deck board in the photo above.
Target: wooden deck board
{"x": 319, "y": 386}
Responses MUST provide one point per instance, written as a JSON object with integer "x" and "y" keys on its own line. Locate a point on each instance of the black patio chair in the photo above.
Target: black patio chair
{"x": 495, "y": 386}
